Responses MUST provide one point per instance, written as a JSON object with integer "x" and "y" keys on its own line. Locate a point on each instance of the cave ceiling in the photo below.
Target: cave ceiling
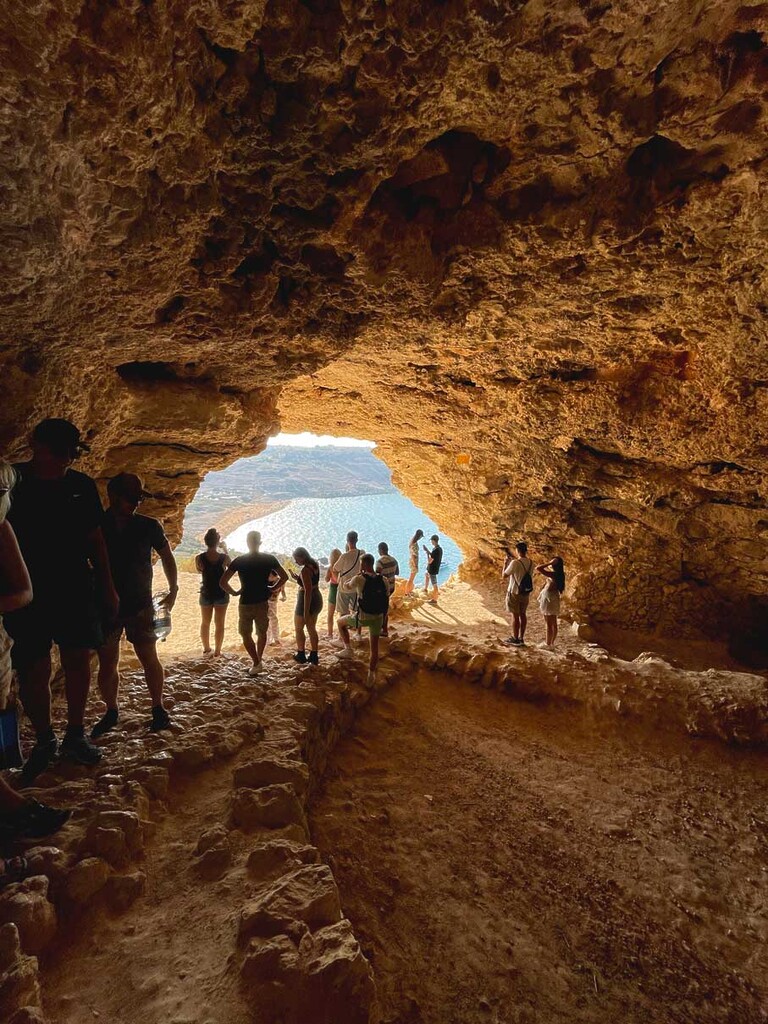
{"x": 520, "y": 245}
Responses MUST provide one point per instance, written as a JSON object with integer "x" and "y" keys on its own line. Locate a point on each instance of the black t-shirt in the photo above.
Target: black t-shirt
{"x": 435, "y": 560}
{"x": 130, "y": 558}
{"x": 52, "y": 520}
{"x": 254, "y": 570}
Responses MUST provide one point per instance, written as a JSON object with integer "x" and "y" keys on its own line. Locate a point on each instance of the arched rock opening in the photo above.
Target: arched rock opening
{"x": 532, "y": 235}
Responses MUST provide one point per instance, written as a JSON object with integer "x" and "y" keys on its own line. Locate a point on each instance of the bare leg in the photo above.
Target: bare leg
{"x": 206, "y": 612}
{"x": 344, "y": 632}
{"x": 523, "y": 624}
{"x": 109, "y": 678}
{"x": 35, "y": 693}
{"x": 515, "y": 625}
{"x": 426, "y": 582}
{"x": 298, "y": 626}
{"x": 374, "y": 653}
{"x": 409, "y": 584}
{"x": 261, "y": 643}
{"x": 220, "y": 615}
{"x": 312, "y": 633}
{"x": 250, "y": 647}
{"x": 153, "y": 670}
{"x": 331, "y": 613}
{"x": 76, "y": 662}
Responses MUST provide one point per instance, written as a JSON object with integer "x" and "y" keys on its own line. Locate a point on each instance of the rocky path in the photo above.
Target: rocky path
{"x": 525, "y": 864}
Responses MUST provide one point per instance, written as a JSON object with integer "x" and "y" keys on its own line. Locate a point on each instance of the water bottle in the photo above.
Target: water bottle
{"x": 162, "y": 617}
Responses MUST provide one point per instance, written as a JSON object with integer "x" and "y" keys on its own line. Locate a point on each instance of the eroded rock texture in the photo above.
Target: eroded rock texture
{"x": 521, "y": 245}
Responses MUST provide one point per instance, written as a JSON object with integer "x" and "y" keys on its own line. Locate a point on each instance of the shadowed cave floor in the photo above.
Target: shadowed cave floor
{"x": 508, "y": 862}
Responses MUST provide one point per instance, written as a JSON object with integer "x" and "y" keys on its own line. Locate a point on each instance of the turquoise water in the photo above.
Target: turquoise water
{"x": 320, "y": 524}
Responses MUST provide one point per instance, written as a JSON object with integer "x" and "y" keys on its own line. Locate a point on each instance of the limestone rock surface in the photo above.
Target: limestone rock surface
{"x": 520, "y": 245}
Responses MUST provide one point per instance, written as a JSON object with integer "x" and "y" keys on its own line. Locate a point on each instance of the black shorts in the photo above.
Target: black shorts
{"x": 69, "y": 620}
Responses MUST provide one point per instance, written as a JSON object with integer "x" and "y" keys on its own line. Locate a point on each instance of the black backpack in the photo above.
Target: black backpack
{"x": 374, "y": 599}
{"x": 526, "y": 583}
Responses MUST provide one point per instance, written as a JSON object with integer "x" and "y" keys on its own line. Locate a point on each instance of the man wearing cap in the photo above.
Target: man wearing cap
{"x": 131, "y": 538}
{"x": 56, "y": 515}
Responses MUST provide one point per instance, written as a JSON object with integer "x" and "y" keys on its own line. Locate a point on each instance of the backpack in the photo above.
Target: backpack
{"x": 525, "y": 586}
{"x": 374, "y": 599}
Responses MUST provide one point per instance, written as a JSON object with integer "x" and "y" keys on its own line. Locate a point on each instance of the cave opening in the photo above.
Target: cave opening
{"x": 309, "y": 490}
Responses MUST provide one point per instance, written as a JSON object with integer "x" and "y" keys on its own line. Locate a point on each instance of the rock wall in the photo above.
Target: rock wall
{"x": 518, "y": 244}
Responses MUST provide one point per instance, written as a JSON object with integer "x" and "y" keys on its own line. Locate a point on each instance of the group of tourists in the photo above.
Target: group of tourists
{"x": 80, "y": 577}
{"x": 359, "y": 591}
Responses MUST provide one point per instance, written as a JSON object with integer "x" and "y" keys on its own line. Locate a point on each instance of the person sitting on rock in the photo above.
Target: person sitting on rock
{"x": 56, "y": 514}
{"x": 131, "y": 538}
{"x": 517, "y": 569}
{"x": 309, "y": 604}
{"x": 434, "y": 561}
{"x": 388, "y": 567}
{"x": 19, "y": 818}
{"x": 211, "y": 564}
{"x": 254, "y": 571}
{"x": 549, "y": 598}
{"x": 372, "y": 605}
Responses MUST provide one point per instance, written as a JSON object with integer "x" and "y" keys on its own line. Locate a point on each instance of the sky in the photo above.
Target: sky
{"x": 307, "y": 440}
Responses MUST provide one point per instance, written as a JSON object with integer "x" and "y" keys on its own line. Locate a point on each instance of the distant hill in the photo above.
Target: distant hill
{"x": 282, "y": 473}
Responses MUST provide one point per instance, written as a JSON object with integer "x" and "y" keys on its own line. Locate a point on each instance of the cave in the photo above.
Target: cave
{"x": 519, "y": 246}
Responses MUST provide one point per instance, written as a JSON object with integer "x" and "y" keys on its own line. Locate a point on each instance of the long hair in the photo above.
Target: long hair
{"x": 558, "y": 573}
{"x": 417, "y": 536}
{"x": 7, "y": 479}
{"x": 335, "y": 556}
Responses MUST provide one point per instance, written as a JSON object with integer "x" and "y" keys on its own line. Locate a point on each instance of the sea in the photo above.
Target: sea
{"x": 321, "y": 524}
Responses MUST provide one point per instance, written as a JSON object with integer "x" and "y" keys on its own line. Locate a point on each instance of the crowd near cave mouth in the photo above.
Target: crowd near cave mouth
{"x": 383, "y": 475}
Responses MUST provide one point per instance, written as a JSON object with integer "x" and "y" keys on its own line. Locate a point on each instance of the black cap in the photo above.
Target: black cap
{"x": 61, "y": 436}
{"x": 128, "y": 485}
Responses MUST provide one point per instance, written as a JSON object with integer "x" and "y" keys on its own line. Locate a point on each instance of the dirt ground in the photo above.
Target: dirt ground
{"x": 526, "y": 864}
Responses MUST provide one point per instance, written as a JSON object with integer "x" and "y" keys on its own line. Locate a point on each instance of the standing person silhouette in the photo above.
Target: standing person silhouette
{"x": 518, "y": 569}
{"x": 309, "y": 604}
{"x": 549, "y": 598}
{"x": 20, "y": 818}
{"x": 332, "y": 579}
{"x": 388, "y": 568}
{"x": 413, "y": 560}
{"x": 345, "y": 567}
{"x": 57, "y": 513}
{"x": 434, "y": 561}
{"x": 254, "y": 570}
{"x": 131, "y": 538}
{"x": 214, "y": 601}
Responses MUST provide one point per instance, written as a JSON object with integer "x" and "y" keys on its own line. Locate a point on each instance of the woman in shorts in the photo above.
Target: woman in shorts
{"x": 413, "y": 560}
{"x": 211, "y": 565}
{"x": 309, "y": 604}
{"x": 549, "y": 598}
{"x": 332, "y": 579}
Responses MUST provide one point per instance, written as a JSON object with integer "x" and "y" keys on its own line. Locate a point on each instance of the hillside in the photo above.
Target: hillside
{"x": 281, "y": 474}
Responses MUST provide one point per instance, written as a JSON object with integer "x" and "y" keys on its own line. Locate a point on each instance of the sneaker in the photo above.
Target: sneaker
{"x": 32, "y": 821}
{"x": 511, "y": 641}
{"x": 346, "y": 652}
{"x": 300, "y": 657}
{"x": 256, "y": 670}
{"x": 160, "y": 720}
{"x": 40, "y": 757}
{"x": 79, "y": 750}
{"x": 105, "y": 724}
{"x": 433, "y": 601}
{"x": 313, "y": 658}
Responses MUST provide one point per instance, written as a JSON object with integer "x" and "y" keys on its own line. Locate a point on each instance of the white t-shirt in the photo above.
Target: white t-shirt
{"x": 516, "y": 569}
{"x": 348, "y": 565}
